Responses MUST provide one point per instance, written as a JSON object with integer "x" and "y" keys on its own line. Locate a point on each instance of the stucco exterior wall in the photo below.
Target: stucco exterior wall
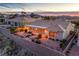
{"x": 59, "y": 36}
{"x": 71, "y": 27}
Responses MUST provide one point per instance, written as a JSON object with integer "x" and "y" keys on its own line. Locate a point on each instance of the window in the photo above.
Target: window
{"x": 9, "y": 22}
{"x": 16, "y": 24}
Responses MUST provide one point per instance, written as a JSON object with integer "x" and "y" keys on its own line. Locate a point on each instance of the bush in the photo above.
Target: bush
{"x": 2, "y": 18}
{"x": 61, "y": 45}
{"x": 64, "y": 40}
{"x": 12, "y": 29}
{"x": 38, "y": 42}
{"x": 9, "y": 47}
{"x": 57, "y": 40}
{"x": 8, "y": 50}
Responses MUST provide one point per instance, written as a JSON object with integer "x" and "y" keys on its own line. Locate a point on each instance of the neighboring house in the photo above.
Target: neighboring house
{"x": 19, "y": 21}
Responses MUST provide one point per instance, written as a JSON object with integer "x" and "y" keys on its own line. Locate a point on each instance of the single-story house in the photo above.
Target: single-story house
{"x": 19, "y": 21}
{"x": 47, "y": 28}
{"x": 56, "y": 29}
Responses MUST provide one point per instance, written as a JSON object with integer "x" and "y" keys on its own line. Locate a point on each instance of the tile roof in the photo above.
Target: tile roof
{"x": 51, "y": 25}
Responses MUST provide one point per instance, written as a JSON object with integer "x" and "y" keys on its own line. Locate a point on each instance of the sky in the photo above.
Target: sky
{"x": 40, "y": 7}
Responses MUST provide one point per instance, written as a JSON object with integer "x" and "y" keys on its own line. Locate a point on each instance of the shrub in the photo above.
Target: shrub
{"x": 38, "y": 41}
{"x": 12, "y": 29}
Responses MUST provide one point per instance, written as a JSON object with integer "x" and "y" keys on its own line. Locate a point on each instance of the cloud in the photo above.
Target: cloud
{"x": 54, "y": 7}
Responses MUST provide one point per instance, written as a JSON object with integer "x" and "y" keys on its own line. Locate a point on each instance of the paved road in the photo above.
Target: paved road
{"x": 70, "y": 41}
{"x": 39, "y": 50}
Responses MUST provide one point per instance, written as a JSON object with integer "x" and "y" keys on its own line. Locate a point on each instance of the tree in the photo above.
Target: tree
{"x": 49, "y": 18}
{"x": 23, "y": 13}
{"x": 62, "y": 43}
{"x": 32, "y": 15}
{"x": 2, "y": 19}
{"x": 7, "y": 50}
{"x": 76, "y": 24}
{"x": 13, "y": 29}
{"x": 9, "y": 47}
{"x": 46, "y": 18}
{"x": 11, "y": 16}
